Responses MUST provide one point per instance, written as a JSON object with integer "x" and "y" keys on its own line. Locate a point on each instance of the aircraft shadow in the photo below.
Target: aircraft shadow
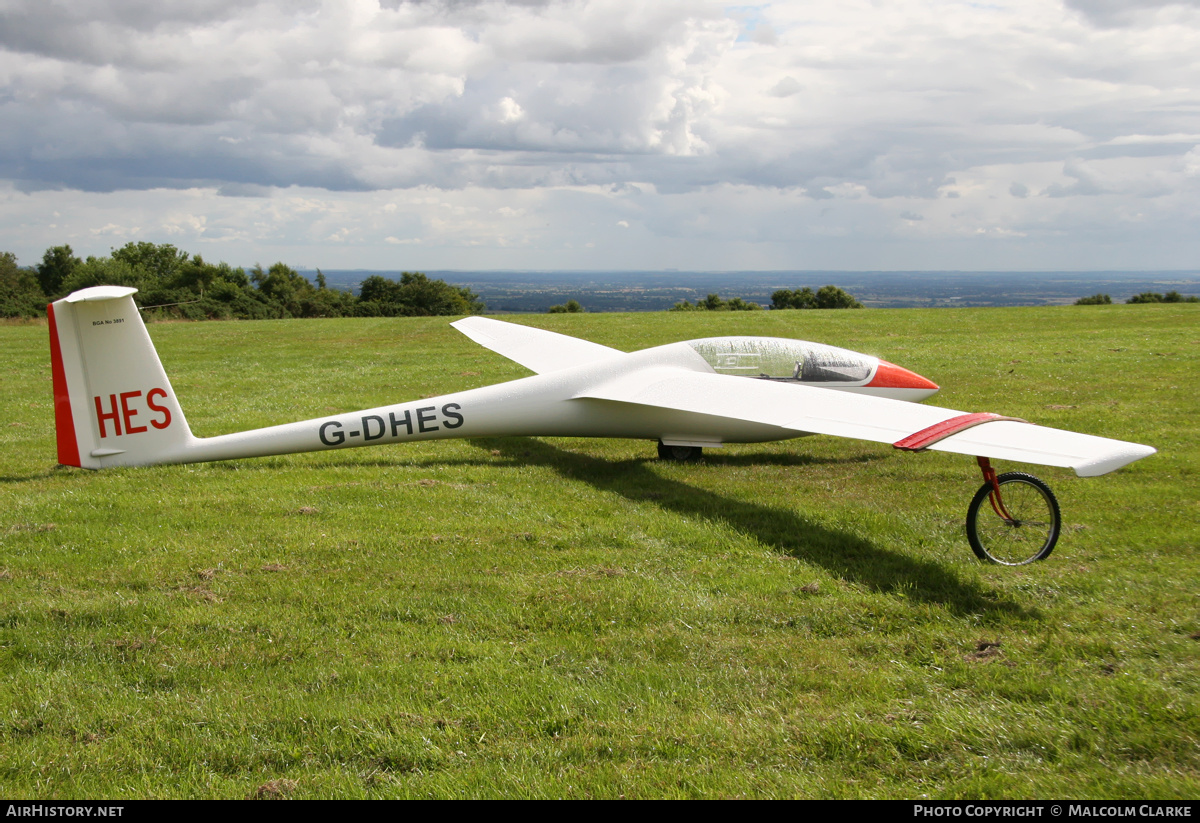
{"x": 48, "y": 471}
{"x": 716, "y": 458}
{"x": 787, "y": 531}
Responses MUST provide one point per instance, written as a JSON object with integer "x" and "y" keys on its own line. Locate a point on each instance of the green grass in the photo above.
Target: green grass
{"x": 573, "y": 618}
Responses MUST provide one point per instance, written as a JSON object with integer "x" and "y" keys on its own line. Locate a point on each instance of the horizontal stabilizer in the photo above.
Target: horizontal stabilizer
{"x": 538, "y": 350}
{"x": 99, "y": 294}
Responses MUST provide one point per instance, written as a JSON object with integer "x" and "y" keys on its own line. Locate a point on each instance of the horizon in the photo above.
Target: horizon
{"x": 756, "y": 271}
{"x": 516, "y": 291}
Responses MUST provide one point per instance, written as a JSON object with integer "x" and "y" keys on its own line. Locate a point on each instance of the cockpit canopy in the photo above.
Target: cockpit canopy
{"x": 776, "y": 358}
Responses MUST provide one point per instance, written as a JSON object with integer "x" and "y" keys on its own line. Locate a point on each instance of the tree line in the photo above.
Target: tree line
{"x": 174, "y": 283}
{"x": 1144, "y": 297}
{"x": 826, "y": 297}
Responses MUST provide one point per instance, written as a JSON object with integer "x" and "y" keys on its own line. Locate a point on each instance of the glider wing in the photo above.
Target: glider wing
{"x": 844, "y": 414}
{"x": 538, "y": 350}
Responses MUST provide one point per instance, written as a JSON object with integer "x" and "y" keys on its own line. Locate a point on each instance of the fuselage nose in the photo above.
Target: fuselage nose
{"x": 900, "y": 383}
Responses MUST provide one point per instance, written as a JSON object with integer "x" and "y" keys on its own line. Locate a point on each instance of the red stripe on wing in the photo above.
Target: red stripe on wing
{"x": 940, "y": 431}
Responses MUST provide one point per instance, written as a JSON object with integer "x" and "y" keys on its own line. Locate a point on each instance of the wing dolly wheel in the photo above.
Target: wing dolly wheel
{"x": 680, "y": 454}
{"x": 1021, "y": 522}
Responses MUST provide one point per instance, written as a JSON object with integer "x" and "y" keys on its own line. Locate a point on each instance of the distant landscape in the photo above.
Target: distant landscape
{"x": 179, "y": 285}
{"x": 602, "y": 291}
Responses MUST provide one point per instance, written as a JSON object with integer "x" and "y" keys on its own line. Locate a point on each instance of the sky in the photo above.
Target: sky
{"x": 622, "y": 134}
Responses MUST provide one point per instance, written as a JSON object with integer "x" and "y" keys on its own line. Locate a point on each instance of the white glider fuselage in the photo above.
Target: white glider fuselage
{"x": 114, "y": 405}
{"x": 541, "y": 405}
{"x": 555, "y": 404}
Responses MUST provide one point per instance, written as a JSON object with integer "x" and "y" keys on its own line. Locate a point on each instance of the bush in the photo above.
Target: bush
{"x": 20, "y": 293}
{"x": 827, "y": 297}
{"x": 714, "y": 303}
{"x": 415, "y": 295}
{"x": 1169, "y": 297}
{"x": 1146, "y": 297}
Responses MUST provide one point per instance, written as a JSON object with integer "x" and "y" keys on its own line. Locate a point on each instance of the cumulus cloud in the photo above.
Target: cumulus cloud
{"x": 786, "y": 87}
{"x": 1191, "y": 162}
{"x": 874, "y": 111}
{"x": 1116, "y": 13}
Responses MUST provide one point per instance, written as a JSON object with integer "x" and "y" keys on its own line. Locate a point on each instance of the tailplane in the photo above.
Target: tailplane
{"x": 113, "y": 404}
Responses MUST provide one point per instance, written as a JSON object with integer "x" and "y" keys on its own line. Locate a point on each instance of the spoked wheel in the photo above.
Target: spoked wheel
{"x": 1019, "y": 526}
{"x": 680, "y": 454}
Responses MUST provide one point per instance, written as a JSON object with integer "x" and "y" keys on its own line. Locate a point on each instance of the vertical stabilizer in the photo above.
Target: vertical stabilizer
{"x": 113, "y": 404}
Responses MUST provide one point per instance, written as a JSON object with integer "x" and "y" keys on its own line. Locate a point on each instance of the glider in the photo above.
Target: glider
{"x": 114, "y": 406}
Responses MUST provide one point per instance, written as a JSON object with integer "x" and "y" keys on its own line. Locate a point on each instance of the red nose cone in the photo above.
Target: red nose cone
{"x": 891, "y": 376}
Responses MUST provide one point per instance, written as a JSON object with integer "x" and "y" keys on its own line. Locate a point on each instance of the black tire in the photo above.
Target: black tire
{"x": 680, "y": 454}
{"x": 1032, "y": 532}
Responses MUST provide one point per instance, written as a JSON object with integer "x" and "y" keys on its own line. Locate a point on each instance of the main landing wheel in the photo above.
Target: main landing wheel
{"x": 1013, "y": 522}
{"x": 680, "y": 454}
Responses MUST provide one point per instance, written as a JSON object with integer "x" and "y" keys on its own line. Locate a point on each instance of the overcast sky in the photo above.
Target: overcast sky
{"x": 455, "y": 134}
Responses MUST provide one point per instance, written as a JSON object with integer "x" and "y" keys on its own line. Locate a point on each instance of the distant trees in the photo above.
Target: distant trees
{"x": 57, "y": 266}
{"x": 1169, "y": 297}
{"x": 794, "y": 299}
{"x": 415, "y": 294}
{"x": 173, "y": 283}
{"x": 714, "y": 303}
{"x": 20, "y": 292}
{"x": 570, "y": 307}
{"x": 283, "y": 286}
{"x": 1144, "y": 297}
{"x": 156, "y": 264}
{"x": 826, "y": 297}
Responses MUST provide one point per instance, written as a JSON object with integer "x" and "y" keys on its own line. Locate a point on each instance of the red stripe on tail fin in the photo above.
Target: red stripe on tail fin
{"x": 64, "y": 421}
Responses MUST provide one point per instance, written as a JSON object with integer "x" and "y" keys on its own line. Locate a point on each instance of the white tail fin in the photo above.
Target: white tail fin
{"x": 113, "y": 404}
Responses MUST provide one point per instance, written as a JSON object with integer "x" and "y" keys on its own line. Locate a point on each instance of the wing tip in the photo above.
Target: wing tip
{"x": 1113, "y": 460}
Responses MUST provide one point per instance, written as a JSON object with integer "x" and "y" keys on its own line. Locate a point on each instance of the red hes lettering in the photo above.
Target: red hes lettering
{"x": 120, "y": 411}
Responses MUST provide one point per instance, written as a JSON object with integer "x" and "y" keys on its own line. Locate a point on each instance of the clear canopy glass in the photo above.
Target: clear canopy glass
{"x": 775, "y": 358}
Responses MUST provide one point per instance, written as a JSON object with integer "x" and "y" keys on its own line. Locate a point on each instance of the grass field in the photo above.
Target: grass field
{"x": 573, "y": 618}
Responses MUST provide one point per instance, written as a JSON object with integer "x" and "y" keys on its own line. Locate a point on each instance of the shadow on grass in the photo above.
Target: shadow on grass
{"x": 47, "y": 472}
{"x": 784, "y": 530}
{"x": 717, "y": 458}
